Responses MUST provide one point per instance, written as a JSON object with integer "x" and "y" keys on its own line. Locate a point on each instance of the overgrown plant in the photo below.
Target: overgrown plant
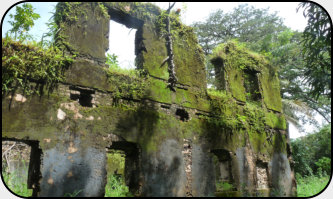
{"x": 27, "y": 65}
{"x": 23, "y": 20}
{"x": 15, "y": 183}
{"x": 116, "y": 187}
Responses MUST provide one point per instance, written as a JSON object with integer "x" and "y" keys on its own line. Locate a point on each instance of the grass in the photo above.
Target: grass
{"x": 16, "y": 185}
{"x": 116, "y": 187}
{"x": 311, "y": 185}
{"x": 223, "y": 186}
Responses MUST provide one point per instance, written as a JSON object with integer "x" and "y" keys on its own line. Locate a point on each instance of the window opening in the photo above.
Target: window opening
{"x": 251, "y": 84}
{"x": 121, "y": 53}
{"x": 183, "y": 115}
{"x": 262, "y": 175}
{"x": 84, "y": 96}
{"x": 218, "y": 73}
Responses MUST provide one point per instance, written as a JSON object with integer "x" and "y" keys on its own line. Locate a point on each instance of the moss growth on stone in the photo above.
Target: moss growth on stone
{"x": 251, "y": 116}
{"x": 26, "y": 63}
{"x": 275, "y": 120}
{"x": 75, "y": 18}
{"x": 237, "y": 59}
{"x": 271, "y": 89}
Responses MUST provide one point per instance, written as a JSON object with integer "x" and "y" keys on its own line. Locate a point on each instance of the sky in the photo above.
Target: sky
{"x": 196, "y": 11}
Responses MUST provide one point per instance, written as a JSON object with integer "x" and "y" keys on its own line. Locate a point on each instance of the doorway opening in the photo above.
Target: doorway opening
{"x": 223, "y": 171}
{"x": 21, "y": 166}
{"x": 123, "y": 169}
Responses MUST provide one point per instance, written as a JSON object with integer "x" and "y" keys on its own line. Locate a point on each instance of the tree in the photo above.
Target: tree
{"x": 312, "y": 152}
{"x": 317, "y": 50}
{"x": 23, "y": 20}
{"x": 286, "y": 53}
{"x": 255, "y": 27}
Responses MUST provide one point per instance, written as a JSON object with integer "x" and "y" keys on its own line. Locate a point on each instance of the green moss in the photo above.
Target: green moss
{"x": 131, "y": 86}
{"x": 144, "y": 11}
{"x": 26, "y": 63}
{"x": 271, "y": 89}
{"x": 279, "y": 143}
{"x": 189, "y": 58}
{"x": 251, "y": 116}
{"x": 276, "y": 121}
{"x": 159, "y": 91}
{"x": 75, "y": 18}
{"x": 237, "y": 59}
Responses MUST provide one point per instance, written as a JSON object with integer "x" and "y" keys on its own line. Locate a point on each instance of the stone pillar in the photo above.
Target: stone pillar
{"x": 71, "y": 169}
{"x": 203, "y": 174}
{"x": 163, "y": 171}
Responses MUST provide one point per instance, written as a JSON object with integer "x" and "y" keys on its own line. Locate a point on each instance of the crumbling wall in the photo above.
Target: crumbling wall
{"x": 175, "y": 134}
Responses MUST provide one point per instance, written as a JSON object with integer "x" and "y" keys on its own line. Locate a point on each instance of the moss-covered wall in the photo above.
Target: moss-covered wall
{"x": 91, "y": 108}
{"x": 236, "y": 61}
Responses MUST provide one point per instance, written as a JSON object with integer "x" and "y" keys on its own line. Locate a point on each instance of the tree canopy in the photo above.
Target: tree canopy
{"x": 317, "y": 49}
{"x": 250, "y": 25}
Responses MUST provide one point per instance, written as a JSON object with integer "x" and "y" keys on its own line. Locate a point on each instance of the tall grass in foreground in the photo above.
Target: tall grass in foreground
{"x": 16, "y": 185}
{"x": 311, "y": 185}
{"x": 116, "y": 187}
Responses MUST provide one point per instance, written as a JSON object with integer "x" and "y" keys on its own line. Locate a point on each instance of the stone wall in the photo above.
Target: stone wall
{"x": 169, "y": 137}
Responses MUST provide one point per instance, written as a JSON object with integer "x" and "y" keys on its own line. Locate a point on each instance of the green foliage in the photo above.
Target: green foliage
{"x": 112, "y": 62}
{"x": 245, "y": 23}
{"x": 317, "y": 52}
{"x": 23, "y": 64}
{"x": 310, "y": 185}
{"x": 48, "y": 38}
{"x": 295, "y": 93}
{"x": 223, "y": 186}
{"x": 104, "y": 10}
{"x": 116, "y": 187}
{"x": 324, "y": 164}
{"x": 23, "y": 20}
{"x": 115, "y": 162}
{"x": 308, "y": 152}
{"x": 15, "y": 184}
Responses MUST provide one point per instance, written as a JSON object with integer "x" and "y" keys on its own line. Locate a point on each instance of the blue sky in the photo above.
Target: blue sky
{"x": 44, "y": 9}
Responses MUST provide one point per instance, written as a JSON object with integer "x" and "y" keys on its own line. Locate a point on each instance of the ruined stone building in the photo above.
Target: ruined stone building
{"x": 177, "y": 143}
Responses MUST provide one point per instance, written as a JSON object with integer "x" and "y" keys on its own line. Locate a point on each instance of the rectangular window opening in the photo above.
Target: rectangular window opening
{"x": 251, "y": 84}
{"x": 121, "y": 53}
